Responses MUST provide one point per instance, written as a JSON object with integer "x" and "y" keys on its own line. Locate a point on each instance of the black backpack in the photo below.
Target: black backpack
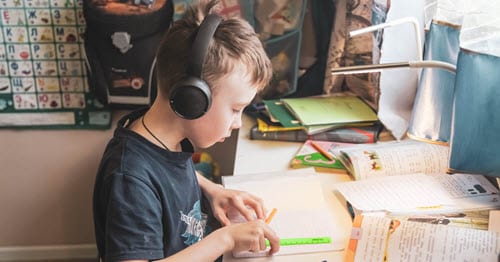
{"x": 120, "y": 44}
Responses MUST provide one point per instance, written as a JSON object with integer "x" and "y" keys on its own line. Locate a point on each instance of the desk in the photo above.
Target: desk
{"x": 253, "y": 156}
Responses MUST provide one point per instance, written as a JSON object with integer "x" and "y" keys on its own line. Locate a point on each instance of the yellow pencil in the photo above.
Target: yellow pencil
{"x": 321, "y": 150}
{"x": 271, "y": 215}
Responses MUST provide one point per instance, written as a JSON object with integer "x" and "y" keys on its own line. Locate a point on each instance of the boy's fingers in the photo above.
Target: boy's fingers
{"x": 274, "y": 240}
{"x": 222, "y": 217}
{"x": 224, "y": 220}
{"x": 247, "y": 213}
{"x": 262, "y": 243}
{"x": 242, "y": 207}
{"x": 257, "y": 207}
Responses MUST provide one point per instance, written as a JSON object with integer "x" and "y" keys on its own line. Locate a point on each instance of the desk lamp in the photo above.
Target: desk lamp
{"x": 425, "y": 123}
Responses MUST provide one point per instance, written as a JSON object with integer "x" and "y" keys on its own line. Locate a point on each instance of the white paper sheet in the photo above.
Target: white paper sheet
{"x": 394, "y": 193}
{"x": 302, "y": 210}
{"x": 419, "y": 193}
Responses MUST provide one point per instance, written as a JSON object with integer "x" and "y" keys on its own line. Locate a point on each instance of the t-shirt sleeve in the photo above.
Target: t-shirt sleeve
{"x": 133, "y": 220}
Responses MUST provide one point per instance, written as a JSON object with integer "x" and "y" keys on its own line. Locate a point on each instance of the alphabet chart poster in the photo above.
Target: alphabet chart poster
{"x": 42, "y": 67}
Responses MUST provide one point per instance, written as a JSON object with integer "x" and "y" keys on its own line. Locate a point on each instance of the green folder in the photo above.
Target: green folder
{"x": 278, "y": 110}
{"x": 322, "y": 110}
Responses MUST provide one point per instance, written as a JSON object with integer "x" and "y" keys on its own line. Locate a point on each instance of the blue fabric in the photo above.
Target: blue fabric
{"x": 147, "y": 201}
{"x": 431, "y": 115}
{"x": 475, "y": 139}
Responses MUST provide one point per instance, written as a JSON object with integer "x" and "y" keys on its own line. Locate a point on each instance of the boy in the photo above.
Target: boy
{"x": 147, "y": 196}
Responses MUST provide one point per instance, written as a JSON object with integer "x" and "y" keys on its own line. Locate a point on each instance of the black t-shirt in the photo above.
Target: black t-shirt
{"x": 147, "y": 201}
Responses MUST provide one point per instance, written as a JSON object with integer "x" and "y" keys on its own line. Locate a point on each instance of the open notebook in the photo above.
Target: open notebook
{"x": 302, "y": 212}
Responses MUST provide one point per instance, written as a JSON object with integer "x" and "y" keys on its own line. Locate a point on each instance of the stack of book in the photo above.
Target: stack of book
{"x": 346, "y": 119}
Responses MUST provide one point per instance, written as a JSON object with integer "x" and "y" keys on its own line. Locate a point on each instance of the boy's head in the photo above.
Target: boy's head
{"x": 235, "y": 68}
{"x": 234, "y": 44}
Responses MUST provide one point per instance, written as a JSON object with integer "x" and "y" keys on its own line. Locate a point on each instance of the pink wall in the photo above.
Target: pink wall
{"x": 46, "y": 182}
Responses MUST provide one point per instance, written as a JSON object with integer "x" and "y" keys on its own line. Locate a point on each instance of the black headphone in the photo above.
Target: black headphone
{"x": 191, "y": 98}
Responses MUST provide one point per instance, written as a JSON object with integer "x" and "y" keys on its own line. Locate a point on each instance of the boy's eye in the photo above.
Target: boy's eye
{"x": 237, "y": 110}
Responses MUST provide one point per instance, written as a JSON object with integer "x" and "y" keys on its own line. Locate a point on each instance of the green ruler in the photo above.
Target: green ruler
{"x": 303, "y": 241}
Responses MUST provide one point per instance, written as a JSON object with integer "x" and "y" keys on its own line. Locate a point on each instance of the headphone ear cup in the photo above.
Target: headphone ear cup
{"x": 190, "y": 98}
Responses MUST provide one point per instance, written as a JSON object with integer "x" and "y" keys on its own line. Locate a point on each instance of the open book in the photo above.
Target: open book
{"x": 393, "y": 158}
{"x": 421, "y": 194}
{"x": 302, "y": 213}
{"x": 384, "y": 239}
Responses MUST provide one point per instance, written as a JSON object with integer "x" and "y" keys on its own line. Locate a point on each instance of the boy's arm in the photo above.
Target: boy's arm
{"x": 208, "y": 249}
{"x": 206, "y": 185}
{"x": 222, "y": 200}
{"x": 249, "y": 236}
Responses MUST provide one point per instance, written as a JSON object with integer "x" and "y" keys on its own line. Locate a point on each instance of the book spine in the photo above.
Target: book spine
{"x": 356, "y": 135}
{"x": 344, "y": 135}
{"x": 292, "y": 136}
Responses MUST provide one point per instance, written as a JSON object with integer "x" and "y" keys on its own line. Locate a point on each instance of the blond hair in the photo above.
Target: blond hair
{"x": 234, "y": 43}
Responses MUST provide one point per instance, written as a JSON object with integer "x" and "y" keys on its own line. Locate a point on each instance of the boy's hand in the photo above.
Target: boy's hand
{"x": 223, "y": 200}
{"x": 251, "y": 236}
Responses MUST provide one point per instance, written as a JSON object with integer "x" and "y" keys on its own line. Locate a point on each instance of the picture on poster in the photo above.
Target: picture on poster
{"x": 42, "y": 67}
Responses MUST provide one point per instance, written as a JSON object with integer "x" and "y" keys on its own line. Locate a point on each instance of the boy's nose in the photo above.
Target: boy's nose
{"x": 236, "y": 123}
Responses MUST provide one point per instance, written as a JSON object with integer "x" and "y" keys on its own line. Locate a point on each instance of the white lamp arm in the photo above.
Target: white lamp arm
{"x": 345, "y": 70}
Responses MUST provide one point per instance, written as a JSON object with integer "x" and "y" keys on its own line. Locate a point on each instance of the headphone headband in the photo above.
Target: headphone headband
{"x": 201, "y": 42}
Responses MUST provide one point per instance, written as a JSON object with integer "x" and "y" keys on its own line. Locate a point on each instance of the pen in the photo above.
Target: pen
{"x": 322, "y": 151}
{"x": 271, "y": 215}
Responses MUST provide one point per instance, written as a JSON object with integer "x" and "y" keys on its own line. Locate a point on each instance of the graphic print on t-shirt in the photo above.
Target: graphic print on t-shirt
{"x": 196, "y": 222}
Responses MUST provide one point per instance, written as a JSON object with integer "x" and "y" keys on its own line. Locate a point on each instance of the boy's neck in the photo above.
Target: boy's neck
{"x": 161, "y": 127}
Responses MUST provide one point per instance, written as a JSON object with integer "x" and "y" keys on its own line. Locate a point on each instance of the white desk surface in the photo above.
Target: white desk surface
{"x": 253, "y": 156}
